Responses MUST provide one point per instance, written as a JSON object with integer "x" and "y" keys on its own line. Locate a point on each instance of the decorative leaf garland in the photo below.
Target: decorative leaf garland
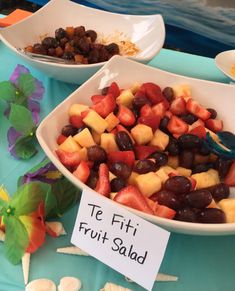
{"x": 22, "y": 94}
{"x": 42, "y": 193}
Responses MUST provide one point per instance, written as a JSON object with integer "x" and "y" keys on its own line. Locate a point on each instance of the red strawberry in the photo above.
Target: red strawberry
{"x": 215, "y": 125}
{"x": 69, "y": 159}
{"x": 152, "y": 92}
{"x": 230, "y": 176}
{"x": 131, "y": 196}
{"x": 103, "y": 184}
{"x": 197, "y": 109}
{"x": 125, "y": 115}
{"x": 76, "y": 121}
{"x": 97, "y": 98}
{"x": 114, "y": 89}
{"x": 151, "y": 120}
{"x": 199, "y": 131}
{"x": 82, "y": 172}
{"x": 142, "y": 151}
{"x": 178, "y": 106}
{"x": 127, "y": 157}
{"x": 105, "y": 106}
{"x": 61, "y": 138}
{"x": 166, "y": 212}
{"x": 197, "y": 123}
{"x": 159, "y": 109}
{"x": 177, "y": 125}
{"x": 146, "y": 110}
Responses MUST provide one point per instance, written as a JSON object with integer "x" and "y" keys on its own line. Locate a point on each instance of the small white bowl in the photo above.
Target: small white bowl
{"x": 126, "y": 72}
{"x": 225, "y": 61}
{"x": 146, "y": 32}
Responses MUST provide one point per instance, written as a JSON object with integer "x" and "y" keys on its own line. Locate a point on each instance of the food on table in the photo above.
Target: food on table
{"x": 25, "y": 267}
{"x": 113, "y": 287}
{"x": 233, "y": 70}
{"x": 55, "y": 228}
{"x": 161, "y": 278}
{"x": 145, "y": 147}
{"x": 81, "y": 46}
{"x": 40, "y": 285}
{"x": 71, "y": 250}
{"x": 69, "y": 284}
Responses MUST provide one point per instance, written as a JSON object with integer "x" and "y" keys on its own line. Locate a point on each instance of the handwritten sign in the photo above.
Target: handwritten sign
{"x": 122, "y": 240}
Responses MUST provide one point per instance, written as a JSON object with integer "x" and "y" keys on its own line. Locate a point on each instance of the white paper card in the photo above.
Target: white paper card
{"x": 127, "y": 243}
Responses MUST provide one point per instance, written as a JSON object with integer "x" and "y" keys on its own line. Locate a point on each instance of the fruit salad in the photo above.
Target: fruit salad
{"x": 145, "y": 147}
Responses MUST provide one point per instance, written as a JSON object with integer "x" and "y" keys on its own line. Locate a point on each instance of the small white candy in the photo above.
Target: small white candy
{"x": 69, "y": 284}
{"x": 2, "y": 235}
{"x": 113, "y": 287}
{"x": 41, "y": 285}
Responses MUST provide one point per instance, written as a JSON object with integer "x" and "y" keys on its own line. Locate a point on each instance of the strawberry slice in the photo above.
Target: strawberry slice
{"x": 69, "y": 159}
{"x": 142, "y": 152}
{"x": 105, "y": 106}
{"x": 146, "y": 110}
{"x": 97, "y": 98}
{"x": 215, "y": 125}
{"x": 166, "y": 212}
{"x": 131, "y": 196}
{"x": 61, "y": 138}
{"x": 76, "y": 121}
{"x": 178, "y": 106}
{"x": 82, "y": 172}
{"x": 199, "y": 131}
{"x": 127, "y": 157}
{"x": 197, "y": 109}
{"x": 152, "y": 92}
{"x": 230, "y": 176}
{"x": 151, "y": 120}
{"x": 160, "y": 109}
{"x": 114, "y": 89}
{"x": 125, "y": 115}
{"x": 197, "y": 123}
{"x": 177, "y": 125}
{"x": 103, "y": 184}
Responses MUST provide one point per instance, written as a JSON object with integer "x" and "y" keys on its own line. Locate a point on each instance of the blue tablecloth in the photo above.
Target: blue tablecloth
{"x": 201, "y": 263}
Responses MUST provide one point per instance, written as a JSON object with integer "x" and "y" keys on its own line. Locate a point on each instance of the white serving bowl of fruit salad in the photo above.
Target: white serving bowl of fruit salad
{"x": 84, "y": 37}
{"x": 136, "y": 134}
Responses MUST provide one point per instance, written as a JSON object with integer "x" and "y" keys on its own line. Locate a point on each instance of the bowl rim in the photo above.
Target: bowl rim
{"x": 158, "y": 17}
{"x": 215, "y": 229}
{"x": 218, "y": 59}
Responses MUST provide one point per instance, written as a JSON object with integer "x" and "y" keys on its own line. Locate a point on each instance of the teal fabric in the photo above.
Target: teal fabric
{"x": 201, "y": 263}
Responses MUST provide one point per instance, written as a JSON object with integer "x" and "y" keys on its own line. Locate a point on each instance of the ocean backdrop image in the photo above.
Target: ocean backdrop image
{"x": 214, "y": 19}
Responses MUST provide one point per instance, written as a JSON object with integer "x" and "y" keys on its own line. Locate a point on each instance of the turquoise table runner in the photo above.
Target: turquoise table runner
{"x": 201, "y": 263}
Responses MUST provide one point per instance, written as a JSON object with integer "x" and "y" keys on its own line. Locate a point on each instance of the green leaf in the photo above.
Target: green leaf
{"x": 7, "y": 91}
{"x": 25, "y": 148}
{"x": 28, "y": 196}
{"x": 21, "y": 119}
{"x": 42, "y": 164}
{"x": 67, "y": 195}
{"x": 16, "y": 240}
{"x": 26, "y": 84}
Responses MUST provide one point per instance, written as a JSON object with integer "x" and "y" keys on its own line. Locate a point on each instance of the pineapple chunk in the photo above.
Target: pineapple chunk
{"x": 112, "y": 121}
{"x": 142, "y": 134}
{"x": 125, "y": 98}
{"x": 162, "y": 175}
{"x": 76, "y": 109}
{"x": 160, "y": 139}
{"x": 95, "y": 121}
{"x": 96, "y": 136}
{"x": 70, "y": 145}
{"x": 135, "y": 87}
{"x": 184, "y": 172}
{"x": 84, "y": 138}
{"x": 83, "y": 153}
{"x": 228, "y": 206}
{"x": 111, "y": 176}
{"x": 168, "y": 170}
{"x": 131, "y": 179}
{"x": 206, "y": 179}
{"x": 108, "y": 142}
{"x": 182, "y": 90}
{"x": 112, "y": 195}
{"x": 148, "y": 183}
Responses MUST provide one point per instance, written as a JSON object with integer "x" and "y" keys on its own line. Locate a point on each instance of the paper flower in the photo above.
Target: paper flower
{"x": 22, "y": 94}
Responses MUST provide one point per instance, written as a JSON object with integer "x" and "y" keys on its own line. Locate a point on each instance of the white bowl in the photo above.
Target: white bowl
{"x": 125, "y": 72}
{"x": 147, "y": 32}
{"x": 224, "y": 61}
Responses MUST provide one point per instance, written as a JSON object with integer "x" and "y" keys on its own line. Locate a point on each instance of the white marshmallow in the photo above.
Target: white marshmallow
{"x": 41, "y": 285}
{"x": 69, "y": 284}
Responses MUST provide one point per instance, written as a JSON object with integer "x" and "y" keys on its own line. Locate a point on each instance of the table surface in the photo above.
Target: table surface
{"x": 201, "y": 263}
